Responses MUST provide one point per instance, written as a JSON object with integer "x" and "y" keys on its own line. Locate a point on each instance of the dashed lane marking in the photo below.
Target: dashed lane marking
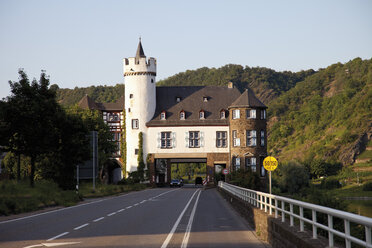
{"x": 79, "y": 227}
{"x": 58, "y": 236}
{"x": 98, "y": 219}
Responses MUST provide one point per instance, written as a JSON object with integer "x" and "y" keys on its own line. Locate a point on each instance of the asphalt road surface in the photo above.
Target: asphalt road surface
{"x": 161, "y": 217}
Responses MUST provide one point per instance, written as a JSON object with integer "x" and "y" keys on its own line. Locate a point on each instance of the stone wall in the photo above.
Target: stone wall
{"x": 271, "y": 230}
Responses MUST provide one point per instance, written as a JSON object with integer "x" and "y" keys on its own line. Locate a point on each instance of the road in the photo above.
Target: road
{"x": 161, "y": 217}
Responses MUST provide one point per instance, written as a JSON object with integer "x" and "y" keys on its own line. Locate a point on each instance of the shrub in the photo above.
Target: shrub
{"x": 246, "y": 179}
{"x": 330, "y": 183}
{"x": 291, "y": 177}
{"x": 367, "y": 186}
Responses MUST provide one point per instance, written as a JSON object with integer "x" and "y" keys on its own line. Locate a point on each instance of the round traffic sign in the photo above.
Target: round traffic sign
{"x": 270, "y": 163}
{"x": 225, "y": 171}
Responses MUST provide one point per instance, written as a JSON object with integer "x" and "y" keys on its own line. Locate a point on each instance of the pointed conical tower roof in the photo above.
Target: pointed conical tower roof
{"x": 140, "y": 53}
{"x": 248, "y": 99}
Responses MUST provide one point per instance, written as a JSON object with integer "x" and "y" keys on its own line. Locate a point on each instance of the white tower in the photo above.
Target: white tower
{"x": 140, "y": 101}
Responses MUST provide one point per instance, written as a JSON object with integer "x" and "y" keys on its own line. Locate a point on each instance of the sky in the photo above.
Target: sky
{"x": 82, "y": 43}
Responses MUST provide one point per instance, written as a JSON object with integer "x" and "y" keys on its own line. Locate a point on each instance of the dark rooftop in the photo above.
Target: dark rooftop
{"x": 248, "y": 99}
{"x": 88, "y": 103}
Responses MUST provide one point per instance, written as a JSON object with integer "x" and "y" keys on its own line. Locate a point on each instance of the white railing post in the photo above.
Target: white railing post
{"x": 276, "y": 208}
{"x": 301, "y": 220}
{"x": 291, "y": 222}
{"x": 315, "y": 231}
{"x": 270, "y": 205}
{"x": 368, "y": 236}
{"x": 283, "y": 214}
{"x": 265, "y": 199}
{"x": 347, "y": 233}
{"x": 330, "y": 234}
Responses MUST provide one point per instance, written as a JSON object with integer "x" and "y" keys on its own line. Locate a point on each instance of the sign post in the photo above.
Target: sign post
{"x": 270, "y": 164}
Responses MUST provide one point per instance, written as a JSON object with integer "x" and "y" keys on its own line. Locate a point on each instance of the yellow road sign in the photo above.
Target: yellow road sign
{"x": 270, "y": 163}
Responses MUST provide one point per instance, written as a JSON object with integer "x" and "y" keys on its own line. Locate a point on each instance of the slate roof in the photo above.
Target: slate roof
{"x": 88, "y": 103}
{"x": 248, "y": 99}
{"x": 140, "y": 53}
{"x": 192, "y": 102}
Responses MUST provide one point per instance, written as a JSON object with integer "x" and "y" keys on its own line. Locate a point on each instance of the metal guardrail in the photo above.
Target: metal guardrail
{"x": 270, "y": 203}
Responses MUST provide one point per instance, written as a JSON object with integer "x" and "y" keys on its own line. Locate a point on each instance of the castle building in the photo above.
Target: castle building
{"x": 219, "y": 126}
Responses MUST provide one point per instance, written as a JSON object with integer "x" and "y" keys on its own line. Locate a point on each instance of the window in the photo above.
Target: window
{"x": 178, "y": 99}
{"x": 251, "y": 113}
{"x": 201, "y": 114}
{"x": 166, "y": 140}
{"x": 251, "y": 138}
{"x": 134, "y": 123}
{"x": 250, "y": 163}
{"x": 221, "y": 139}
{"x": 194, "y": 139}
{"x": 236, "y": 163}
{"x": 222, "y": 114}
{"x": 205, "y": 99}
{"x": 162, "y": 115}
{"x": 236, "y": 140}
{"x": 236, "y": 114}
{"x": 263, "y": 114}
{"x": 128, "y": 110}
{"x": 136, "y": 151}
{"x": 152, "y": 80}
{"x": 262, "y": 138}
{"x": 182, "y": 115}
{"x": 130, "y": 95}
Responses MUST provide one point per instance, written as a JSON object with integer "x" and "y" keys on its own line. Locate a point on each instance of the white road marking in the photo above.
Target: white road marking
{"x": 189, "y": 225}
{"x": 111, "y": 214}
{"x": 170, "y": 235}
{"x": 128, "y": 207}
{"x": 32, "y": 246}
{"x": 143, "y": 201}
{"x": 79, "y": 227}
{"x": 121, "y": 210}
{"x": 58, "y": 236}
{"x": 76, "y": 206}
{"x": 136, "y": 204}
{"x": 60, "y": 244}
{"x": 98, "y": 219}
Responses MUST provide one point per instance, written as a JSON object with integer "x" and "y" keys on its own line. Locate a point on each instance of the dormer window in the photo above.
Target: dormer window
{"x": 223, "y": 114}
{"x": 201, "y": 114}
{"x": 178, "y": 99}
{"x": 162, "y": 115}
{"x": 205, "y": 99}
{"x": 182, "y": 115}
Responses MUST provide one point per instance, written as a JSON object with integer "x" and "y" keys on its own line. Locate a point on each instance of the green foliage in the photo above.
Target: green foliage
{"x": 141, "y": 163}
{"x": 330, "y": 183}
{"x": 246, "y": 179}
{"x": 19, "y": 197}
{"x": 261, "y": 80}
{"x": 322, "y": 116}
{"x": 367, "y": 186}
{"x": 123, "y": 146}
{"x": 291, "y": 177}
{"x": 69, "y": 97}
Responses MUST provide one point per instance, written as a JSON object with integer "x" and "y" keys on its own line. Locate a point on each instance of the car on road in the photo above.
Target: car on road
{"x": 175, "y": 183}
{"x": 198, "y": 180}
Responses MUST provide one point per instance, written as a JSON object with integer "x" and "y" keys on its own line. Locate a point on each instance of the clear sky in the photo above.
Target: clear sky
{"x": 82, "y": 43}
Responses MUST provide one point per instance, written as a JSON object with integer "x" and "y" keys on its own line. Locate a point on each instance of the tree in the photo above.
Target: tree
{"x": 291, "y": 177}
{"x": 141, "y": 163}
{"x": 28, "y": 117}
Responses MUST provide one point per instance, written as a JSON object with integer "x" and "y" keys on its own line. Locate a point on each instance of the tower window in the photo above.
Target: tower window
{"x": 130, "y": 95}
{"x": 263, "y": 114}
{"x": 251, "y": 113}
{"x": 178, "y": 99}
{"x": 128, "y": 110}
{"x": 262, "y": 138}
{"x": 135, "y": 124}
{"x": 152, "y": 80}
{"x": 251, "y": 138}
{"x": 236, "y": 140}
{"x": 236, "y": 114}
{"x": 250, "y": 163}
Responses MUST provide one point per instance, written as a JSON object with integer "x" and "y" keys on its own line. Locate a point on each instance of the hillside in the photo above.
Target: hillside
{"x": 105, "y": 93}
{"x": 266, "y": 83}
{"x": 327, "y": 116}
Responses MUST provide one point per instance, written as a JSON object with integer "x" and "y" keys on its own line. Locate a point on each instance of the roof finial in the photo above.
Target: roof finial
{"x": 140, "y": 53}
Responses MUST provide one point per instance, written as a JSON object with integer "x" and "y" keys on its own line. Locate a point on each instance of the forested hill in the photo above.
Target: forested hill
{"x": 266, "y": 83}
{"x": 69, "y": 97}
{"x": 327, "y": 116}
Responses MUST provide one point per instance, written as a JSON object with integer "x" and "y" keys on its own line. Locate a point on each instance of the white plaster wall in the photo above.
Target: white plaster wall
{"x": 208, "y": 140}
{"x": 142, "y": 105}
